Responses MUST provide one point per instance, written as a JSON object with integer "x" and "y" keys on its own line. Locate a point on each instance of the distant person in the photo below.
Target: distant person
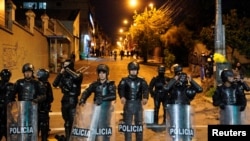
{"x": 202, "y": 63}
{"x": 194, "y": 61}
{"x": 122, "y": 54}
{"x": 115, "y": 55}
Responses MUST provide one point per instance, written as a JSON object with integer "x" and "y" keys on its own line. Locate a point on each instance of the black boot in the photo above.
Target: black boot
{"x": 156, "y": 112}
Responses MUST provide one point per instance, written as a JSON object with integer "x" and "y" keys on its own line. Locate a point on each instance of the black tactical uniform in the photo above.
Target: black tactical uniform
{"x": 157, "y": 92}
{"x": 28, "y": 88}
{"x": 6, "y": 91}
{"x": 44, "y": 107}
{"x": 70, "y": 83}
{"x": 182, "y": 91}
{"x": 104, "y": 93}
{"x": 230, "y": 94}
{"x": 134, "y": 92}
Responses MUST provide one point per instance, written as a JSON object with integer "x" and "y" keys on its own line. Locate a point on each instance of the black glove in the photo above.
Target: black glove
{"x": 222, "y": 106}
{"x": 242, "y": 108}
{"x": 152, "y": 95}
{"x": 98, "y": 100}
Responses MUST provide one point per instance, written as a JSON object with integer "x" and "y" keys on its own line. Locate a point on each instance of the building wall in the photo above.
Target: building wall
{"x": 20, "y": 46}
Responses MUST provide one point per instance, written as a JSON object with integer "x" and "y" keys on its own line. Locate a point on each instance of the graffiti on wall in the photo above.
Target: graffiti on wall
{"x": 12, "y": 55}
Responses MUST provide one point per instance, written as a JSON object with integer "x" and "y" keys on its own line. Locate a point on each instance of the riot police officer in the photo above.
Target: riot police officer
{"x": 230, "y": 97}
{"x": 45, "y": 107}
{"x": 157, "y": 92}
{"x": 104, "y": 92}
{"x": 70, "y": 83}
{"x": 6, "y": 90}
{"x": 28, "y": 88}
{"x": 133, "y": 92}
{"x": 30, "y": 92}
{"x": 182, "y": 89}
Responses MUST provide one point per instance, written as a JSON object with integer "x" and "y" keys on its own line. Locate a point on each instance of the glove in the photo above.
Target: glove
{"x": 81, "y": 102}
{"x": 222, "y": 106}
{"x": 242, "y": 108}
{"x": 98, "y": 101}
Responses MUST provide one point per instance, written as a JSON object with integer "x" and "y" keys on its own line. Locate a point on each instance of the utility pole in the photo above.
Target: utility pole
{"x": 219, "y": 42}
{"x": 218, "y": 29}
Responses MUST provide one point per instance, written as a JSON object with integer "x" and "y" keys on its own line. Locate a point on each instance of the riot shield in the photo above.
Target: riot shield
{"x": 231, "y": 115}
{"x": 22, "y": 121}
{"x": 94, "y": 123}
{"x": 179, "y": 122}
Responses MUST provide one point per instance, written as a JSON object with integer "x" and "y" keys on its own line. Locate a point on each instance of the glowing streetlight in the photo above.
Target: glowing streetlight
{"x": 133, "y": 3}
{"x": 125, "y": 21}
{"x": 151, "y": 5}
{"x": 121, "y": 30}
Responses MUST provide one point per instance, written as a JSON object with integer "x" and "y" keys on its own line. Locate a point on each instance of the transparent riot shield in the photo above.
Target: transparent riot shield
{"x": 231, "y": 115}
{"x": 94, "y": 123}
{"x": 22, "y": 121}
{"x": 179, "y": 122}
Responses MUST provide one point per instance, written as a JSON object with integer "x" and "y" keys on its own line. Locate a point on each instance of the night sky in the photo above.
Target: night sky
{"x": 111, "y": 13}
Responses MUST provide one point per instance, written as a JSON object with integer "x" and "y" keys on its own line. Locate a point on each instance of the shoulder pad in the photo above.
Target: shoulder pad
{"x": 111, "y": 82}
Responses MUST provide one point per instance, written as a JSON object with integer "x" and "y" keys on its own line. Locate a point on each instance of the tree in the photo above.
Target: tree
{"x": 147, "y": 28}
{"x": 178, "y": 40}
{"x": 237, "y": 32}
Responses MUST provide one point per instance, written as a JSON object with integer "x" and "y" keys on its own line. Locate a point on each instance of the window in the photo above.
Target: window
{"x": 34, "y": 5}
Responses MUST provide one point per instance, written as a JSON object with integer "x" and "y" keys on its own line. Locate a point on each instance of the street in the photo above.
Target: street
{"x": 203, "y": 112}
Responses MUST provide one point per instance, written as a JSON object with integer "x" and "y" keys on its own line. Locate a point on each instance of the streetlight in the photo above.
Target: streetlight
{"x": 133, "y": 3}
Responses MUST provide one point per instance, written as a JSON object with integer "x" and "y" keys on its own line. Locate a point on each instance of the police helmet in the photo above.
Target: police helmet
{"x": 28, "y": 67}
{"x": 42, "y": 74}
{"x": 5, "y": 74}
{"x": 161, "y": 69}
{"x": 177, "y": 68}
{"x": 183, "y": 78}
{"x": 225, "y": 74}
{"x": 102, "y": 67}
{"x": 133, "y": 66}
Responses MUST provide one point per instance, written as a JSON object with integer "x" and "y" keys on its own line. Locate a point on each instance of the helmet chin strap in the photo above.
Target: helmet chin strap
{"x": 132, "y": 76}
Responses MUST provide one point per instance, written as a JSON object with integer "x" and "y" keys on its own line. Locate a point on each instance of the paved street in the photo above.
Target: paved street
{"x": 203, "y": 112}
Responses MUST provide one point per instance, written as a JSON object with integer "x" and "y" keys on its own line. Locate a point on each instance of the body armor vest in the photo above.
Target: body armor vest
{"x": 229, "y": 95}
{"x": 133, "y": 89}
{"x": 159, "y": 83}
{"x": 179, "y": 95}
{"x": 27, "y": 91}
